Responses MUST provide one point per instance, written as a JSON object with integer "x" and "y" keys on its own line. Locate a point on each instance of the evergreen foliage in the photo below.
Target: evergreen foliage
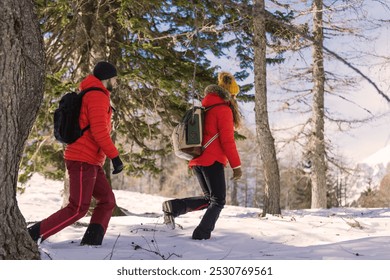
{"x": 155, "y": 45}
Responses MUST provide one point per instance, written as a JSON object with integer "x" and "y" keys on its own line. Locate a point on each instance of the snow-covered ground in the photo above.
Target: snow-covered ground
{"x": 240, "y": 234}
{"x": 300, "y": 244}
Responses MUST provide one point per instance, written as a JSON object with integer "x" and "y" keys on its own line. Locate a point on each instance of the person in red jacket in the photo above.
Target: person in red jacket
{"x": 84, "y": 160}
{"x": 209, "y": 166}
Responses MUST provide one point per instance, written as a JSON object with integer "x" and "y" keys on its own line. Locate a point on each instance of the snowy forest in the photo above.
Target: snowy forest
{"x": 310, "y": 73}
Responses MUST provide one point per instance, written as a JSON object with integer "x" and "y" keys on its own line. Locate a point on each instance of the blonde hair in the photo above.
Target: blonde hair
{"x": 236, "y": 112}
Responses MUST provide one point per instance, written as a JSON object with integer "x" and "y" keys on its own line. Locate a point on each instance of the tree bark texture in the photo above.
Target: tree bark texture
{"x": 264, "y": 136}
{"x": 21, "y": 89}
{"x": 317, "y": 141}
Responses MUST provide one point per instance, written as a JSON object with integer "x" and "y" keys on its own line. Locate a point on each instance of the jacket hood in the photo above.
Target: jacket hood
{"x": 215, "y": 94}
{"x": 92, "y": 81}
{"x": 221, "y": 92}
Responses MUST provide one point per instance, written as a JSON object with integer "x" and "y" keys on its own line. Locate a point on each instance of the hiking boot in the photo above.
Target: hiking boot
{"x": 200, "y": 234}
{"x": 34, "y": 232}
{"x": 169, "y": 219}
{"x": 93, "y": 235}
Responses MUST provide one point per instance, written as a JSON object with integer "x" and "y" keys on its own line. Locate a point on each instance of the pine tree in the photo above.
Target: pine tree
{"x": 265, "y": 138}
{"x": 154, "y": 47}
{"x": 22, "y": 70}
{"x": 317, "y": 140}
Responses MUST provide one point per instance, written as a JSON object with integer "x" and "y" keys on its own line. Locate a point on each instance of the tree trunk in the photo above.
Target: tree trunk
{"x": 264, "y": 135}
{"x": 21, "y": 87}
{"x": 233, "y": 194}
{"x": 66, "y": 190}
{"x": 107, "y": 169}
{"x": 317, "y": 142}
{"x": 94, "y": 30}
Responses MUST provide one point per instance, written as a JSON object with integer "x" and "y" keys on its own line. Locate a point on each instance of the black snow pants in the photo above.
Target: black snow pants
{"x": 212, "y": 181}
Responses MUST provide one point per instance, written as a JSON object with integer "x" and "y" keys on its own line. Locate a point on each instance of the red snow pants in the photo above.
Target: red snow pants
{"x": 85, "y": 181}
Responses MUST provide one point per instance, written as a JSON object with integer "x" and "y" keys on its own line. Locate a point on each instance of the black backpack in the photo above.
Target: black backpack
{"x": 66, "y": 117}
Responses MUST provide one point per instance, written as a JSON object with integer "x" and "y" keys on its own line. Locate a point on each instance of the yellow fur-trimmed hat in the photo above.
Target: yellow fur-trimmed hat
{"x": 228, "y": 82}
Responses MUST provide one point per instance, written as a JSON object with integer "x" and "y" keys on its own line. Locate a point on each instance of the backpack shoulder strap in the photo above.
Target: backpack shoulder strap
{"x": 210, "y": 141}
{"x": 218, "y": 104}
{"x": 84, "y": 91}
{"x": 216, "y": 135}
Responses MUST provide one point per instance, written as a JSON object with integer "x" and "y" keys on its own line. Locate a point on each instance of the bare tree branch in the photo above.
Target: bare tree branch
{"x": 270, "y": 17}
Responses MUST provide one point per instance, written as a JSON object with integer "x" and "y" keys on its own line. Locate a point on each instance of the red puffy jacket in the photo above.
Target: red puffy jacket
{"x": 219, "y": 119}
{"x": 96, "y": 111}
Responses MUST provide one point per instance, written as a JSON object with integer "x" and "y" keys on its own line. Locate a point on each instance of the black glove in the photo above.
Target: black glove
{"x": 118, "y": 165}
{"x": 237, "y": 174}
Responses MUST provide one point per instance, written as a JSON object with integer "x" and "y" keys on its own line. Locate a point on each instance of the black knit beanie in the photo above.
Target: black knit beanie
{"x": 104, "y": 70}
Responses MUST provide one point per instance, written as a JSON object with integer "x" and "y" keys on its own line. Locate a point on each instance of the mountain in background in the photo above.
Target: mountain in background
{"x": 368, "y": 174}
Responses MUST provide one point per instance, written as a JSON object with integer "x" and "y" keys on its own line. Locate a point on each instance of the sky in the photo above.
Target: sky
{"x": 360, "y": 142}
{"x": 288, "y": 243}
